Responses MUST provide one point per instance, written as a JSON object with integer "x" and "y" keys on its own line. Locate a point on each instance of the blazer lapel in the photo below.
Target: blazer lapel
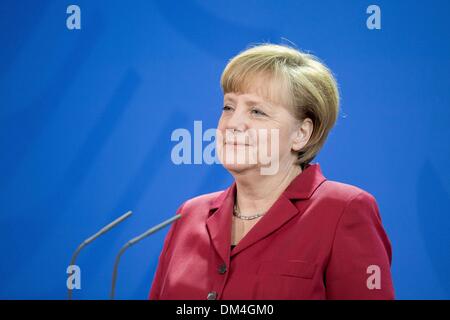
{"x": 283, "y": 210}
{"x": 218, "y": 223}
{"x": 280, "y": 213}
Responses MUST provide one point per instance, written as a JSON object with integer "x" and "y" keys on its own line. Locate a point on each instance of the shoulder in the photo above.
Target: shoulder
{"x": 351, "y": 203}
{"x": 343, "y": 193}
{"x": 201, "y": 202}
{"x": 338, "y": 199}
{"x": 194, "y": 212}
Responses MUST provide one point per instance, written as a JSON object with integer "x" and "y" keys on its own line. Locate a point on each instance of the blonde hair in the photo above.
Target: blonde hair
{"x": 312, "y": 87}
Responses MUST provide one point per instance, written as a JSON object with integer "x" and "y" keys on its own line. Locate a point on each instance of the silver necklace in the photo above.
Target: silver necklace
{"x": 238, "y": 215}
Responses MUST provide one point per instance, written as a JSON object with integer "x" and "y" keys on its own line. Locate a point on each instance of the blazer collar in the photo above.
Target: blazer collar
{"x": 219, "y": 222}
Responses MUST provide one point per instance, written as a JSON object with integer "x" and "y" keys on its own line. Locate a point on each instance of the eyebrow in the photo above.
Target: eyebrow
{"x": 254, "y": 102}
{"x": 229, "y": 98}
{"x": 249, "y": 102}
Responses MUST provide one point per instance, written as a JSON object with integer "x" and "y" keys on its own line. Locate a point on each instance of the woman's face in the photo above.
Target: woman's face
{"x": 255, "y": 133}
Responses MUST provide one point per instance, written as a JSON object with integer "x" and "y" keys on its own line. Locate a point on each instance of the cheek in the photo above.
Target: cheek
{"x": 279, "y": 139}
{"x": 223, "y": 122}
{"x": 221, "y": 128}
{"x": 285, "y": 136}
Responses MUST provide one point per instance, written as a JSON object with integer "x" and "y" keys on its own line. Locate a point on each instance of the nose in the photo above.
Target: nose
{"x": 236, "y": 128}
{"x": 237, "y": 122}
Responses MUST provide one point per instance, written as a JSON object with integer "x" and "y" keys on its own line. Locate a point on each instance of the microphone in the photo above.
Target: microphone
{"x": 92, "y": 238}
{"x": 134, "y": 241}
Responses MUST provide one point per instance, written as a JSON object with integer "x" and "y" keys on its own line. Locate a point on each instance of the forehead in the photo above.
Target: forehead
{"x": 261, "y": 88}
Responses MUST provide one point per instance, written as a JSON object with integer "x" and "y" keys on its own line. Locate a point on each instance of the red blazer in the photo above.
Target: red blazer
{"x": 320, "y": 240}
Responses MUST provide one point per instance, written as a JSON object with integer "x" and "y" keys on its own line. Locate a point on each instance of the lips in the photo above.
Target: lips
{"x": 236, "y": 143}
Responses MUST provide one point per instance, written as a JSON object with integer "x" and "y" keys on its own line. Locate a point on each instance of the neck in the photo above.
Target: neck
{"x": 256, "y": 193}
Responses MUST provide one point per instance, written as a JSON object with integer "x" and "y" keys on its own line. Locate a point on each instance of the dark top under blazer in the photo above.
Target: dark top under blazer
{"x": 319, "y": 240}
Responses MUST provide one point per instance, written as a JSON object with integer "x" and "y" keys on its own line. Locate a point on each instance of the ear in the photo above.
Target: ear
{"x": 302, "y": 134}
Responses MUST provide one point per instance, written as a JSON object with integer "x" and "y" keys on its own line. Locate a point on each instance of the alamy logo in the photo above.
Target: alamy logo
{"x": 74, "y": 279}
{"x": 73, "y": 22}
{"x": 254, "y": 146}
{"x": 374, "y": 20}
{"x": 374, "y": 280}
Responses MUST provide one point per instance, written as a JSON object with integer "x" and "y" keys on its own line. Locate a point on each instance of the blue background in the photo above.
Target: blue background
{"x": 86, "y": 118}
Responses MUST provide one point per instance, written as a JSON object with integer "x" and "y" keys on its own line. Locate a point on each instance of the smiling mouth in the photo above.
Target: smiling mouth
{"x": 237, "y": 144}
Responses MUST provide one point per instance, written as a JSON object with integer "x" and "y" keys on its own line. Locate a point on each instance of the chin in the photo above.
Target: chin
{"x": 235, "y": 168}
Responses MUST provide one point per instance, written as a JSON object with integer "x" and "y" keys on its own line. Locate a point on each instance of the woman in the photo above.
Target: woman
{"x": 281, "y": 230}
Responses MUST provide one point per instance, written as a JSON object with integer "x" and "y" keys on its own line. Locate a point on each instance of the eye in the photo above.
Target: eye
{"x": 258, "y": 112}
{"x": 227, "y": 108}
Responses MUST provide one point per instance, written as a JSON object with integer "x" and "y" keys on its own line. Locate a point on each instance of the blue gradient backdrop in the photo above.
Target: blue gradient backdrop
{"x": 86, "y": 117}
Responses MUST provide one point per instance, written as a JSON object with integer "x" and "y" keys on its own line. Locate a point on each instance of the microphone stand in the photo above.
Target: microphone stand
{"x": 134, "y": 241}
{"x": 92, "y": 238}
